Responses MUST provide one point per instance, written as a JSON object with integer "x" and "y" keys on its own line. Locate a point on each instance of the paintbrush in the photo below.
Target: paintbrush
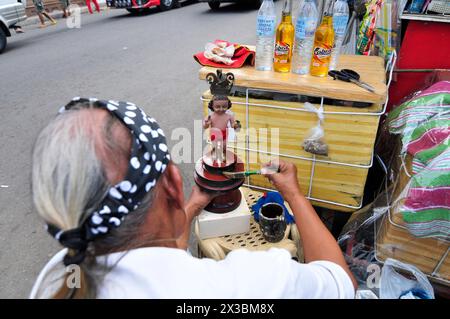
{"x": 264, "y": 170}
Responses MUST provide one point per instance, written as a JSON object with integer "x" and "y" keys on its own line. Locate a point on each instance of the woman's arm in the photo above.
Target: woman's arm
{"x": 318, "y": 243}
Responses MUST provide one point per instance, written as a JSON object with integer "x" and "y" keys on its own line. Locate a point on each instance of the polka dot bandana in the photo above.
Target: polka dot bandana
{"x": 149, "y": 159}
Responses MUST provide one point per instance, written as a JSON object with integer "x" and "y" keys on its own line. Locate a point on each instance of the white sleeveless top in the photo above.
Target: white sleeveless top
{"x": 158, "y": 272}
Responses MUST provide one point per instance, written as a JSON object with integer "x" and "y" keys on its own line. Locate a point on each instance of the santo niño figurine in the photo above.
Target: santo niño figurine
{"x": 210, "y": 167}
{"x": 219, "y": 121}
{"x": 221, "y": 117}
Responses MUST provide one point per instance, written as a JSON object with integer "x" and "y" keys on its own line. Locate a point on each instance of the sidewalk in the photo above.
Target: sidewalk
{"x": 57, "y": 14}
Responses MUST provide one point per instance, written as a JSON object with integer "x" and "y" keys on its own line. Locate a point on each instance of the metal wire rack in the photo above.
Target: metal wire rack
{"x": 388, "y": 69}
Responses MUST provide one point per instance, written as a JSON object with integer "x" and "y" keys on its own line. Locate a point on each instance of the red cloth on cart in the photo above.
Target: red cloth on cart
{"x": 242, "y": 55}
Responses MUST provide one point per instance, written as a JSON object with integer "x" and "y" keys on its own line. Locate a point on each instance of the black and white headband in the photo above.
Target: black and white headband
{"x": 149, "y": 159}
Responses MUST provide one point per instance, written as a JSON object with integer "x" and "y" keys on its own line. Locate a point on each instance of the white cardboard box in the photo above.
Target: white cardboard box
{"x": 215, "y": 225}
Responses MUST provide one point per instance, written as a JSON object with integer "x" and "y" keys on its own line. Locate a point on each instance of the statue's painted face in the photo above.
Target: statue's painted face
{"x": 220, "y": 106}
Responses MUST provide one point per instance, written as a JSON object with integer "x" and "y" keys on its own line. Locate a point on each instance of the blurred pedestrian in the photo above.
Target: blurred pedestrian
{"x": 97, "y": 7}
{"x": 65, "y": 5}
{"x": 17, "y": 28}
{"x": 42, "y": 13}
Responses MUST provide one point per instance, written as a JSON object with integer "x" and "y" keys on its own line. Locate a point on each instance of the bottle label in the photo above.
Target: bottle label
{"x": 305, "y": 27}
{"x": 340, "y": 24}
{"x": 321, "y": 54}
{"x": 265, "y": 26}
{"x": 282, "y": 48}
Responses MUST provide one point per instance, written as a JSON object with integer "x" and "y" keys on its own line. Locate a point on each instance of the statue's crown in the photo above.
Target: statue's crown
{"x": 220, "y": 83}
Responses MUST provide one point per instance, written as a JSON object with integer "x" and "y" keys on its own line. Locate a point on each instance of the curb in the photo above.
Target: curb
{"x": 57, "y": 15}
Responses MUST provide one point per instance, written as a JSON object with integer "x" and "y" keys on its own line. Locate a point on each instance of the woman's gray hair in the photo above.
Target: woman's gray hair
{"x": 69, "y": 180}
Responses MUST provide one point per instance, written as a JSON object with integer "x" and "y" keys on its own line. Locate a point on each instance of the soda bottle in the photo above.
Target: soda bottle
{"x": 284, "y": 40}
{"x": 307, "y": 16}
{"x": 323, "y": 44}
{"x": 340, "y": 20}
{"x": 265, "y": 33}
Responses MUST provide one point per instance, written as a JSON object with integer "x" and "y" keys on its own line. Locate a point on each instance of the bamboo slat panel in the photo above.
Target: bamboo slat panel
{"x": 340, "y": 184}
{"x": 424, "y": 253}
{"x": 350, "y": 138}
{"x": 402, "y": 183}
{"x": 370, "y": 68}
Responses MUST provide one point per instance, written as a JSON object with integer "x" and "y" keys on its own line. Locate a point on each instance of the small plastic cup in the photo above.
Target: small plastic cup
{"x": 272, "y": 222}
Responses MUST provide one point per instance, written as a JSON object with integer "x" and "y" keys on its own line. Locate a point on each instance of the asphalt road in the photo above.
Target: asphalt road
{"x": 145, "y": 59}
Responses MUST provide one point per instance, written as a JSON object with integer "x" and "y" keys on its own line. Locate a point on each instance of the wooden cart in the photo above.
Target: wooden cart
{"x": 335, "y": 181}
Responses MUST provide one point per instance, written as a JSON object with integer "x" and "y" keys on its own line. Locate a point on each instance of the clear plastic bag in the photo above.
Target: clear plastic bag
{"x": 365, "y": 294}
{"x": 370, "y": 242}
{"x": 358, "y": 243}
{"x": 403, "y": 281}
{"x": 410, "y": 217}
{"x": 388, "y": 29}
{"x": 314, "y": 141}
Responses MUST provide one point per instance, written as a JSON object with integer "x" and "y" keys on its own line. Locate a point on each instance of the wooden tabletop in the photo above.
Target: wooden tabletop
{"x": 370, "y": 68}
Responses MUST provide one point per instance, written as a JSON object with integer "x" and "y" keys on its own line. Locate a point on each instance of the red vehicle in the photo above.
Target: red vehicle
{"x": 140, "y": 6}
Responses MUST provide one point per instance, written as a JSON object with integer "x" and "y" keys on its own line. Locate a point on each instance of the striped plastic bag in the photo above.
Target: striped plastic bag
{"x": 426, "y": 208}
{"x": 429, "y": 140}
{"x": 426, "y": 104}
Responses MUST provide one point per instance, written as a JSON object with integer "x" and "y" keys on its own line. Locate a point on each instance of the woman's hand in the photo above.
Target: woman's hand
{"x": 199, "y": 199}
{"x": 285, "y": 180}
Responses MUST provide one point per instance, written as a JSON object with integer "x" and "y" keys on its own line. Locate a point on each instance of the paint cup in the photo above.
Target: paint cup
{"x": 272, "y": 222}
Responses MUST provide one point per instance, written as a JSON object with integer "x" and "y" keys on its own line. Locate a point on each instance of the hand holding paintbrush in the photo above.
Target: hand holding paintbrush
{"x": 263, "y": 171}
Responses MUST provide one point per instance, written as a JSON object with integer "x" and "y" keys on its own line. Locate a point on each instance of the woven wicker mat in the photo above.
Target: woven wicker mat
{"x": 218, "y": 247}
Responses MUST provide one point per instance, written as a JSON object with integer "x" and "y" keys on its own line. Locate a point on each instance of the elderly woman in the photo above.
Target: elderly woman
{"x": 108, "y": 192}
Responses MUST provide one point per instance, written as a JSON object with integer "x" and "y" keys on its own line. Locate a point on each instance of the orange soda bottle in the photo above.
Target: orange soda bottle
{"x": 323, "y": 44}
{"x": 284, "y": 40}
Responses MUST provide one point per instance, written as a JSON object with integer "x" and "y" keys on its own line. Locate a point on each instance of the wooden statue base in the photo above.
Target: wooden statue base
{"x": 209, "y": 177}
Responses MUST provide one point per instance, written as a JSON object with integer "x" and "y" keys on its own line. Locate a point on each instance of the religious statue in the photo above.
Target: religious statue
{"x": 220, "y": 121}
{"x": 209, "y": 169}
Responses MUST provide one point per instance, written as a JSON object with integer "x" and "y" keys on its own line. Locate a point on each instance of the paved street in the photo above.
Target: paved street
{"x": 145, "y": 59}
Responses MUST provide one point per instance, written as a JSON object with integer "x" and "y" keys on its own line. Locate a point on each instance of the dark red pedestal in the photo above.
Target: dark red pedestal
{"x": 209, "y": 177}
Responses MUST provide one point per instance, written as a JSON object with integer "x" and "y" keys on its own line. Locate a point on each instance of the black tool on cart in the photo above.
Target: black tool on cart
{"x": 347, "y": 75}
